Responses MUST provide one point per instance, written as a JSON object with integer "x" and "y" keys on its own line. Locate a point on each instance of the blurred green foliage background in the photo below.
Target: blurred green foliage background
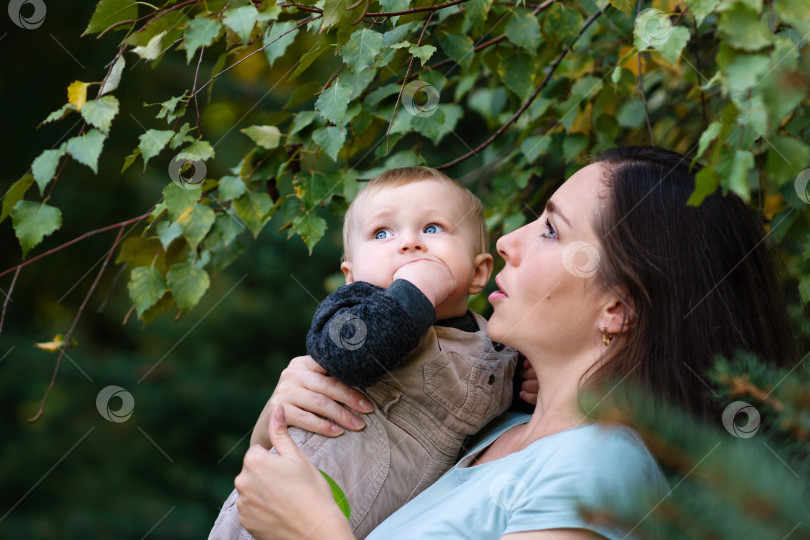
{"x": 74, "y": 474}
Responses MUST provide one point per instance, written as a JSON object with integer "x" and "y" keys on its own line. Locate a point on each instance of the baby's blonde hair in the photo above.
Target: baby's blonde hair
{"x": 473, "y": 208}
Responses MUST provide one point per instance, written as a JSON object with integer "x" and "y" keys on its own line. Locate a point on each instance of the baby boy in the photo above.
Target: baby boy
{"x": 415, "y": 247}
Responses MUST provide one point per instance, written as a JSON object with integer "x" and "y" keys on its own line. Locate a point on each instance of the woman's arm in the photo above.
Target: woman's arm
{"x": 304, "y": 391}
{"x": 284, "y": 495}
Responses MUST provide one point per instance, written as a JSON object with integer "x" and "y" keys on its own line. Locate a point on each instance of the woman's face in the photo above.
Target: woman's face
{"x": 548, "y": 301}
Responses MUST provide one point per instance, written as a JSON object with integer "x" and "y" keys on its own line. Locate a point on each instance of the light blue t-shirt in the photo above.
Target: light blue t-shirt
{"x": 538, "y": 488}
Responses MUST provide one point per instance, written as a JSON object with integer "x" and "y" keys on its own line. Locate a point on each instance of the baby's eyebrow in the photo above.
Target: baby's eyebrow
{"x": 552, "y": 208}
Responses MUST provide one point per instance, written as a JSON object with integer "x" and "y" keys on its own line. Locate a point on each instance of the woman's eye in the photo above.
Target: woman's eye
{"x": 433, "y": 229}
{"x": 382, "y": 234}
{"x": 550, "y": 232}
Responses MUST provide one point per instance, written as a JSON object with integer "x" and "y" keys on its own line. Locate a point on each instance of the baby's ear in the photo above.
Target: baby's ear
{"x": 482, "y": 269}
{"x": 346, "y": 266}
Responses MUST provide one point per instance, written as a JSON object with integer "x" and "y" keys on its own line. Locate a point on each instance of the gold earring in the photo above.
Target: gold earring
{"x": 606, "y": 337}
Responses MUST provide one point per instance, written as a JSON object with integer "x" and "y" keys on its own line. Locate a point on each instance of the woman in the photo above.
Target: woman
{"x": 618, "y": 278}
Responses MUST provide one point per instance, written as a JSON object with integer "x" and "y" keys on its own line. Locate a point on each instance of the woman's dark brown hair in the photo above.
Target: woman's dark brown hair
{"x": 700, "y": 279}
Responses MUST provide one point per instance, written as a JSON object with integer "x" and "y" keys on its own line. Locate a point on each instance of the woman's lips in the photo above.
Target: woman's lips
{"x": 499, "y": 294}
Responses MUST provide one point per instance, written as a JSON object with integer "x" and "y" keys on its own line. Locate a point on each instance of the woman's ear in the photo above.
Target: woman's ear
{"x": 346, "y": 266}
{"x": 618, "y": 315}
{"x": 482, "y": 269}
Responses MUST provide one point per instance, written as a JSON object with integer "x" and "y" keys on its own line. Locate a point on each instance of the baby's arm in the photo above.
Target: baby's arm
{"x": 361, "y": 331}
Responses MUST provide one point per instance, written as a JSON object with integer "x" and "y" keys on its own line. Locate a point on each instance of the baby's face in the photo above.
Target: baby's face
{"x": 398, "y": 225}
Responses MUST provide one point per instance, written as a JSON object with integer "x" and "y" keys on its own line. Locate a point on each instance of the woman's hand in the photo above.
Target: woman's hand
{"x": 530, "y": 385}
{"x": 304, "y": 391}
{"x": 284, "y": 495}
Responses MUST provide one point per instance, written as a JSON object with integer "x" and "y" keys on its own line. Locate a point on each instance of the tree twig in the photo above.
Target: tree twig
{"x": 433, "y": 8}
{"x": 69, "y": 333}
{"x": 82, "y": 237}
{"x": 8, "y": 297}
{"x": 194, "y": 93}
{"x": 404, "y": 82}
{"x": 529, "y": 101}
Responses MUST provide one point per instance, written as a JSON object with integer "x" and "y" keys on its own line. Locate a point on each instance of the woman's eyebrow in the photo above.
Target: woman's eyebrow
{"x": 553, "y": 209}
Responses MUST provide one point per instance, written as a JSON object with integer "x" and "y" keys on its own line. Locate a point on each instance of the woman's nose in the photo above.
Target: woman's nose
{"x": 506, "y": 246}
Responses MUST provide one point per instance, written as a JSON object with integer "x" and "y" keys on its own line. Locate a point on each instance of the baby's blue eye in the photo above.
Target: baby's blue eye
{"x": 433, "y": 229}
{"x": 382, "y": 234}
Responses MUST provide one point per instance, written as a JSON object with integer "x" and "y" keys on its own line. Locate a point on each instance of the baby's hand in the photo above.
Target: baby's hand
{"x": 431, "y": 277}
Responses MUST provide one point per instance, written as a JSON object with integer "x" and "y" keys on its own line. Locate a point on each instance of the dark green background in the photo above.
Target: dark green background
{"x": 217, "y": 365}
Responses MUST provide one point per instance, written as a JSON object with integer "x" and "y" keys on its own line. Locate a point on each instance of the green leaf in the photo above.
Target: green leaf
{"x": 168, "y": 232}
{"x": 423, "y": 53}
{"x": 331, "y": 139}
{"x": 459, "y": 47}
{"x": 100, "y": 112}
{"x": 362, "y": 49}
{"x": 114, "y": 78}
{"x": 745, "y": 71}
{"x": 241, "y": 20}
{"x": 230, "y": 187}
{"x": 201, "y": 150}
{"x": 279, "y": 43}
{"x": 87, "y": 148}
{"x": 563, "y": 23}
{"x": 335, "y": 11}
{"x": 333, "y": 102}
{"x": 523, "y": 30}
{"x": 310, "y": 227}
{"x": 533, "y": 147}
{"x": 631, "y": 113}
{"x": 708, "y": 136}
{"x": 742, "y": 28}
{"x": 516, "y": 72}
{"x": 265, "y": 136}
{"x": 252, "y": 208}
{"x": 66, "y": 109}
{"x": 187, "y": 284}
{"x": 146, "y": 286}
{"x": 625, "y": 6}
{"x": 130, "y": 159}
{"x": 201, "y": 32}
{"x": 338, "y": 495}
{"x": 787, "y": 157}
{"x": 14, "y": 194}
{"x": 151, "y": 50}
{"x": 44, "y": 166}
{"x": 109, "y": 12}
{"x": 33, "y": 222}
{"x": 741, "y": 165}
{"x": 309, "y": 57}
{"x": 653, "y": 28}
{"x": 169, "y": 109}
{"x": 196, "y": 222}
{"x": 181, "y": 136}
{"x": 701, "y": 8}
{"x": 152, "y": 142}
{"x": 139, "y": 251}
{"x": 706, "y": 183}
{"x": 302, "y": 120}
{"x": 178, "y": 199}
